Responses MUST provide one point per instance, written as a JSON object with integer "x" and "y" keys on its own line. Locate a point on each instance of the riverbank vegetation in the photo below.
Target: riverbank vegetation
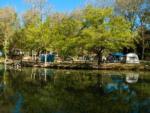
{"x": 92, "y": 29}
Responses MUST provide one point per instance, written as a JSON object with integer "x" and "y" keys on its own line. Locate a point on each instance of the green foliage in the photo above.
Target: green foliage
{"x": 65, "y": 35}
{"x": 31, "y": 17}
{"x": 104, "y": 31}
{"x": 8, "y": 24}
{"x": 91, "y": 29}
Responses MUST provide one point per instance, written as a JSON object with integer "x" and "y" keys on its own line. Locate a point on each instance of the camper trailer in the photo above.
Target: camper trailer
{"x": 132, "y": 58}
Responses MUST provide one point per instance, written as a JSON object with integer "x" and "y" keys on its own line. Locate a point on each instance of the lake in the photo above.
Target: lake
{"x": 34, "y": 90}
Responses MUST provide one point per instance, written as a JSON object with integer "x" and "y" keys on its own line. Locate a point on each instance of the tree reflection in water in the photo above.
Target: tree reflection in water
{"x": 34, "y": 90}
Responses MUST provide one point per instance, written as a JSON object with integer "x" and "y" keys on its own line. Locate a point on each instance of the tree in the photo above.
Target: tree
{"x": 37, "y": 36}
{"x": 129, "y": 9}
{"x": 8, "y": 26}
{"x": 32, "y": 37}
{"x": 1, "y": 37}
{"x": 36, "y": 29}
{"x": 64, "y": 32}
{"x": 100, "y": 3}
{"x": 41, "y": 6}
{"x": 31, "y": 17}
{"x": 143, "y": 16}
{"x": 136, "y": 11}
{"x": 104, "y": 31}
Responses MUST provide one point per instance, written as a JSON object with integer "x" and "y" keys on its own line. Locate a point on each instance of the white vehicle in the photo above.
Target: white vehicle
{"x": 132, "y": 58}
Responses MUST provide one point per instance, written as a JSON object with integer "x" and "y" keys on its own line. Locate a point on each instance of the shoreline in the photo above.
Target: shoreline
{"x": 89, "y": 66}
{"x": 143, "y": 66}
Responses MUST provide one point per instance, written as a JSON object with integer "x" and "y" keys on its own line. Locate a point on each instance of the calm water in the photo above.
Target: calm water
{"x": 35, "y": 90}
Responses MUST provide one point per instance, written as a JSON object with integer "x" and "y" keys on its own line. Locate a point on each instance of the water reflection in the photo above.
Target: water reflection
{"x": 41, "y": 74}
{"x": 35, "y": 90}
{"x": 132, "y": 77}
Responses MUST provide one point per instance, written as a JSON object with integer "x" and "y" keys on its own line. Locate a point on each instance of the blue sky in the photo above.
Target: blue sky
{"x": 57, "y": 5}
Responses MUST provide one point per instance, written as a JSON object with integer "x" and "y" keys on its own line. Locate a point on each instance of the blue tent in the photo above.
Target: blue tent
{"x": 50, "y": 57}
{"x": 118, "y": 54}
{"x": 42, "y": 58}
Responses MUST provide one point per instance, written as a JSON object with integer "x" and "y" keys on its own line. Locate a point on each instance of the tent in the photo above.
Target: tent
{"x": 117, "y": 54}
{"x": 117, "y": 57}
{"x": 49, "y": 57}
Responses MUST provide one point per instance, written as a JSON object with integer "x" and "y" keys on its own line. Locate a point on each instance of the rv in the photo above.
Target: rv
{"x": 131, "y": 58}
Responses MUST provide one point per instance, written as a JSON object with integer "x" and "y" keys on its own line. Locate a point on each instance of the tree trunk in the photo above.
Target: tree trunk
{"x": 143, "y": 52}
{"x": 143, "y": 42}
{"x": 5, "y": 54}
{"x": 99, "y": 55}
{"x": 21, "y": 62}
{"x": 143, "y": 46}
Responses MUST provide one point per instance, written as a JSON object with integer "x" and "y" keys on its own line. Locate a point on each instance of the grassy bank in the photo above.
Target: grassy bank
{"x": 144, "y": 65}
{"x": 145, "y": 62}
{"x": 90, "y": 66}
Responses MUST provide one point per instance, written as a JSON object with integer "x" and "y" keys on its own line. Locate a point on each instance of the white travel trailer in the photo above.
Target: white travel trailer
{"x": 132, "y": 58}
